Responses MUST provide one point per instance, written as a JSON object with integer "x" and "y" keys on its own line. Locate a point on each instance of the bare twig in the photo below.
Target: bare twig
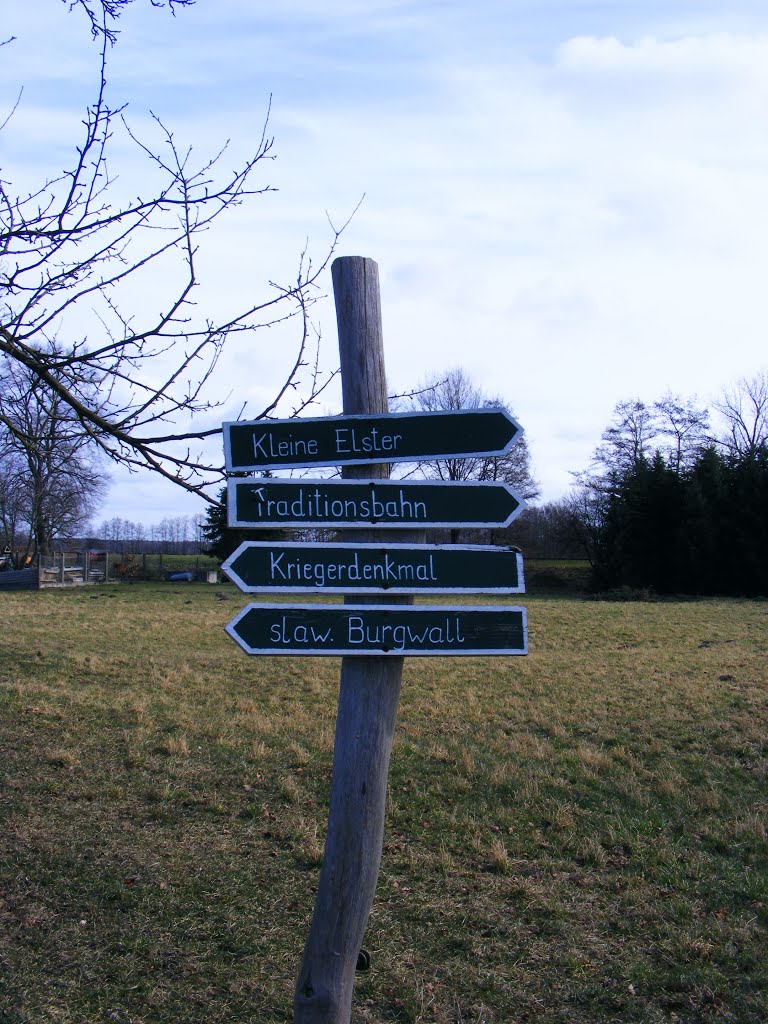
{"x": 68, "y": 247}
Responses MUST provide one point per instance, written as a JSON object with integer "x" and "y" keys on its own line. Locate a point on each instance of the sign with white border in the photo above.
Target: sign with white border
{"x": 366, "y": 503}
{"x": 356, "y": 440}
{"x": 386, "y": 630}
{"x": 300, "y": 567}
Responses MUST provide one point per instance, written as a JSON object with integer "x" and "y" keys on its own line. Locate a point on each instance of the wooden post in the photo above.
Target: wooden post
{"x": 368, "y": 697}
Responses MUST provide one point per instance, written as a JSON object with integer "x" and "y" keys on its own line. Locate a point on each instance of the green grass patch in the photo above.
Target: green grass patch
{"x": 578, "y": 836}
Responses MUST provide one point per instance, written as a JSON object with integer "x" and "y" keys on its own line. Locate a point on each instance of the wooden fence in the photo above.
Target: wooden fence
{"x": 76, "y": 568}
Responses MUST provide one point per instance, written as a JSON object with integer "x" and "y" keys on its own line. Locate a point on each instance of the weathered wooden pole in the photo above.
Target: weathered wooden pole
{"x": 368, "y": 697}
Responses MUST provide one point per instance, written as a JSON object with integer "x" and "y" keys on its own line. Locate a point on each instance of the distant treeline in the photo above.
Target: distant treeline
{"x": 179, "y": 535}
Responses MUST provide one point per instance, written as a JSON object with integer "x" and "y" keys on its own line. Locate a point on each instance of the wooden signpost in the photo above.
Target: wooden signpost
{"x": 372, "y": 638}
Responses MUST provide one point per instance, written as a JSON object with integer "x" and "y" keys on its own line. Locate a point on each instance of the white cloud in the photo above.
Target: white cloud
{"x": 691, "y": 62}
{"x": 572, "y": 210}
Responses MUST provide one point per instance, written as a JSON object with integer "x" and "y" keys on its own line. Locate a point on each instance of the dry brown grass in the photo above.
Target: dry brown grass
{"x": 577, "y": 836}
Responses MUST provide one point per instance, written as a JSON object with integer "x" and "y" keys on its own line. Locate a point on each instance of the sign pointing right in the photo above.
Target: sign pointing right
{"x": 270, "y": 502}
{"x": 354, "y": 440}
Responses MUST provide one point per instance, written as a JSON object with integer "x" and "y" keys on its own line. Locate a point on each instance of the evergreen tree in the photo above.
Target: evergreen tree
{"x": 223, "y": 539}
{"x": 704, "y": 531}
{"x": 747, "y": 512}
{"x": 641, "y": 536}
{"x": 708, "y": 500}
{"x": 663, "y": 509}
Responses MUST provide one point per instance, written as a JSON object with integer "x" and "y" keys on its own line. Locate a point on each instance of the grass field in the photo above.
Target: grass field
{"x": 577, "y": 836}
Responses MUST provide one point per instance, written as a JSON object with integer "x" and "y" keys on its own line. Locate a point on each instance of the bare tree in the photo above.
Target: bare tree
{"x": 745, "y": 411}
{"x": 684, "y": 426}
{"x": 674, "y": 427}
{"x": 627, "y": 441}
{"x": 72, "y": 244}
{"x": 12, "y": 512}
{"x": 58, "y": 482}
{"x": 585, "y": 511}
{"x": 454, "y": 390}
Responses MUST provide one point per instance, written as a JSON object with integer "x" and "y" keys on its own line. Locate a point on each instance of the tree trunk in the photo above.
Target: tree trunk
{"x": 368, "y": 697}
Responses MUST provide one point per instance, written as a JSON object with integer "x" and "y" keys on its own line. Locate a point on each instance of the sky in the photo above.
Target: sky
{"x": 565, "y": 198}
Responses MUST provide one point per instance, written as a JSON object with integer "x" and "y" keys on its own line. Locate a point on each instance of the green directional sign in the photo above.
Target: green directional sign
{"x": 351, "y": 440}
{"x": 397, "y": 630}
{"x": 303, "y": 568}
{"x": 342, "y": 503}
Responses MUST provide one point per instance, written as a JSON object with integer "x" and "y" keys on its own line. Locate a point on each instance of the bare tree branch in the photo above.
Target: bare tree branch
{"x": 71, "y": 246}
{"x": 102, "y": 14}
{"x": 454, "y": 390}
{"x": 745, "y": 411}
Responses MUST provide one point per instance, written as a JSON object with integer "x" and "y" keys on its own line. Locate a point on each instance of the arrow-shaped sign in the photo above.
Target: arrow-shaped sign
{"x": 264, "y": 566}
{"x": 345, "y": 503}
{"x": 351, "y": 440}
{"x": 379, "y": 629}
